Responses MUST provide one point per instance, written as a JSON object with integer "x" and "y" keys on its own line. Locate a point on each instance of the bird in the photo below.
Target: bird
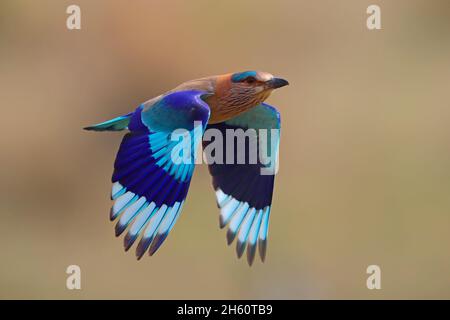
{"x": 149, "y": 186}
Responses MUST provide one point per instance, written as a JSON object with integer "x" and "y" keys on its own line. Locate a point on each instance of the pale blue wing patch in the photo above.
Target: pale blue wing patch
{"x": 248, "y": 224}
{"x": 121, "y": 203}
{"x": 253, "y": 237}
{"x": 243, "y": 231}
{"x": 221, "y": 197}
{"x": 117, "y": 190}
{"x": 129, "y": 214}
{"x": 165, "y": 227}
{"x": 138, "y": 224}
{"x": 149, "y": 231}
{"x": 236, "y": 221}
{"x": 227, "y": 210}
{"x": 264, "y": 230}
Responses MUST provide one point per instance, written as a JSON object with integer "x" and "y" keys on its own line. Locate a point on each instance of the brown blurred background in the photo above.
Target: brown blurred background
{"x": 365, "y": 155}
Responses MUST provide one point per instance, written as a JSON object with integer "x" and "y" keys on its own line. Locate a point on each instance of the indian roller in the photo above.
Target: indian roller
{"x": 149, "y": 187}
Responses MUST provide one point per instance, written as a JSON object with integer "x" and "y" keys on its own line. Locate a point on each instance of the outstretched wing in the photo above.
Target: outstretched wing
{"x": 244, "y": 187}
{"x": 152, "y": 172}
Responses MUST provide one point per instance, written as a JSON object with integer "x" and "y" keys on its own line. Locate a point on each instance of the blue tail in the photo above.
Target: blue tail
{"x": 116, "y": 124}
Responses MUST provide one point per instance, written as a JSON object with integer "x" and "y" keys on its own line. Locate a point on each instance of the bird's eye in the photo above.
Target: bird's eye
{"x": 250, "y": 80}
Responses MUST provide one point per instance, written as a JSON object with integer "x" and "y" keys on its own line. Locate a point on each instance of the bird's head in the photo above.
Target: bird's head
{"x": 247, "y": 89}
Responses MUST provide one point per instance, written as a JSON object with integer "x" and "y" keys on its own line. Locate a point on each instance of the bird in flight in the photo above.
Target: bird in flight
{"x": 150, "y": 184}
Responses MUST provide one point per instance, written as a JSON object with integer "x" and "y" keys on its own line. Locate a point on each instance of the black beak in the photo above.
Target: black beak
{"x": 277, "y": 83}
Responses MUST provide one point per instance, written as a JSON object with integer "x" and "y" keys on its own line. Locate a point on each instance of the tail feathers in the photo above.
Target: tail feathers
{"x": 116, "y": 124}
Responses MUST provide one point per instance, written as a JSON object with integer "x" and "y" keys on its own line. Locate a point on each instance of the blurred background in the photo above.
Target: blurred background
{"x": 364, "y": 162}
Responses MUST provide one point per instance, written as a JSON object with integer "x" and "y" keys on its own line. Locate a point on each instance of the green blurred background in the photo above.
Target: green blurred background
{"x": 364, "y": 163}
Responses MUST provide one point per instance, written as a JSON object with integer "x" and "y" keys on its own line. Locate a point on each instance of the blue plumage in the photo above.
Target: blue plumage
{"x": 177, "y": 110}
{"x": 237, "y": 77}
{"x": 243, "y": 193}
{"x": 156, "y": 159}
{"x": 149, "y": 182}
{"x": 116, "y": 124}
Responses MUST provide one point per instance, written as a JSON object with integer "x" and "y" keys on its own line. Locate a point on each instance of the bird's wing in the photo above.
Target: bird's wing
{"x": 153, "y": 168}
{"x": 244, "y": 191}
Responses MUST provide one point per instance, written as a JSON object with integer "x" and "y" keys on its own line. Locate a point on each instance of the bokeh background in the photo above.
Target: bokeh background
{"x": 364, "y": 163}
